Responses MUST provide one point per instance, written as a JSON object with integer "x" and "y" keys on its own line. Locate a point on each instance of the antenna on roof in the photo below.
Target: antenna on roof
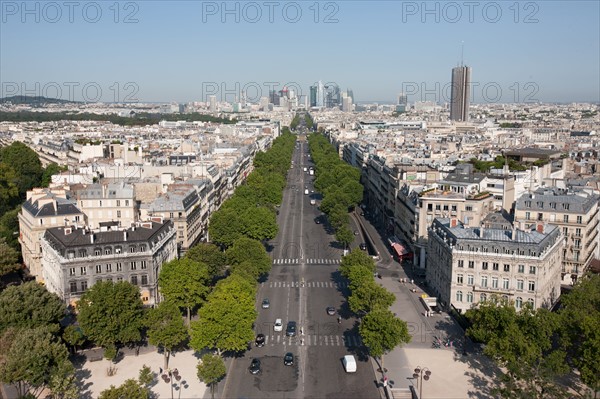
{"x": 462, "y": 52}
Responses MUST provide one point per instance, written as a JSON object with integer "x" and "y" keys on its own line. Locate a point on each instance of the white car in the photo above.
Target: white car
{"x": 278, "y": 325}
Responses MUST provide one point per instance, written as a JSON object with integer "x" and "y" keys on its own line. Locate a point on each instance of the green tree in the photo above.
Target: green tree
{"x": 211, "y": 370}
{"x": 111, "y": 313}
{"x": 259, "y": 223}
{"x": 381, "y": 332}
{"x": 356, "y": 258}
{"x": 51, "y": 170}
{"x": 26, "y": 165}
{"x": 225, "y": 322}
{"x": 73, "y": 336}
{"x": 9, "y": 259}
{"x": 252, "y": 251}
{"x": 344, "y": 236}
{"x": 225, "y": 226}
{"x": 166, "y": 328}
{"x": 36, "y": 360}
{"x": 9, "y": 188}
{"x": 520, "y": 343}
{"x": 185, "y": 283}
{"x": 210, "y": 255}
{"x": 369, "y": 297}
{"x": 580, "y": 329}
{"x": 9, "y": 228}
{"x": 30, "y": 305}
{"x": 130, "y": 389}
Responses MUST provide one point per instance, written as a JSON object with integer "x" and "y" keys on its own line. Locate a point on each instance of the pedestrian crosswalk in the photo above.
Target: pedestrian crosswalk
{"x": 297, "y": 261}
{"x": 307, "y": 284}
{"x": 349, "y": 341}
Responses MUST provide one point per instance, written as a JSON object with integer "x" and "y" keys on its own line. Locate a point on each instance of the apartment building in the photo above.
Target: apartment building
{"x": 107, "y": 202}
{"x": 74, "y": 258}
{"x": 182, "y": 205}
{"x": 466, "y": 266}
{"x": 575, "y": 212}
{"x": 43, "y": 209}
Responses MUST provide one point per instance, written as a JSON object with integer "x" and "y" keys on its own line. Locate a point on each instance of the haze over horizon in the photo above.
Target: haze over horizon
{"x": 184, "y": 51}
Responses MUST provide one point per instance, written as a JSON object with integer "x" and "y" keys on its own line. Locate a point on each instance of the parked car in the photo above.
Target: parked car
{"x": 260, "y": 340}
{"x": 363, "y": 246}
{"x": 288, "y": 359}
{"x": 265, "y": 303}
{"x": 278, "y": 325}
{"x": 254, "y": 366}
{"x": 290, "y": 331}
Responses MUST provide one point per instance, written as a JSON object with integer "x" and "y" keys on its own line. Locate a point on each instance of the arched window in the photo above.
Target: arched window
{"x": 519, "y": 302}
{"x": 459, "y": 296}
{"x": 483, "y": 297}
{"x": 470, "y": 297}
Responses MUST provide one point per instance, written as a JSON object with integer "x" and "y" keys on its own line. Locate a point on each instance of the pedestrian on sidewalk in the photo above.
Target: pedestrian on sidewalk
{"x": 412, "y": 281}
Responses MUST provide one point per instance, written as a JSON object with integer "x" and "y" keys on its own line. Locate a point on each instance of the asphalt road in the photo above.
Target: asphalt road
{"x": 302, "y": 283}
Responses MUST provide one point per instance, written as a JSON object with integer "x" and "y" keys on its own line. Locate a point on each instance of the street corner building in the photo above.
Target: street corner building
{"x": 468, "y": 265}
{"x": 75, "y": 258}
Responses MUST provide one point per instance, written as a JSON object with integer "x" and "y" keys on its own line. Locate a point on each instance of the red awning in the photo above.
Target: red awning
{"x": 399, "y": 249}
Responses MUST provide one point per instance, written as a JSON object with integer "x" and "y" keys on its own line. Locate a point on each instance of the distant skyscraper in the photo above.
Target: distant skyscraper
{"x": 350, "y": 94}
{"x": 459, "y": 97}
{"x": 213, "y": 103}
{"x": 274, "y": 97}
{"x": 320, "y": 94}
{"x": 313, "y": 96}
{"x": 402, "y": 103}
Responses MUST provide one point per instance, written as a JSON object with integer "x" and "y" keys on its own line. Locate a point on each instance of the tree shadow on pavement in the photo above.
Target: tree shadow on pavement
{"x": 481, "y": 371}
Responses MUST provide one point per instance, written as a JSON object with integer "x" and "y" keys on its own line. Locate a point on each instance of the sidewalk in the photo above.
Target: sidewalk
{"x": 94, "y": 379}
{"x": 454, "y": 375}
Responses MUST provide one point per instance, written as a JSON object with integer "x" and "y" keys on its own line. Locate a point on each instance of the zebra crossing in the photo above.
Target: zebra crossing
{"x": 307, "y": 284}
{"x": 297, "y": 261}
{"x": 349, "y": 341}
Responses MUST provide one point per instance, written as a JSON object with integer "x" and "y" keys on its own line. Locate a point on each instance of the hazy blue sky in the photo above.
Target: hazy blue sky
{"x": 185, "y": 50}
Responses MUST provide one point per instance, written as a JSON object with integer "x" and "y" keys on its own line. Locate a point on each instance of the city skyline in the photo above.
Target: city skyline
{"x": 394, "y": 47}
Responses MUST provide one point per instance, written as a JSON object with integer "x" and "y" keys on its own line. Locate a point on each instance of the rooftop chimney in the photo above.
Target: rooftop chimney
{"x": 481, "y": 231}
{"x": 540, "y": 227}
{"x": 125, "y": 235}
{"x": 92, "y": 238}
{"x": 453, "y": 222}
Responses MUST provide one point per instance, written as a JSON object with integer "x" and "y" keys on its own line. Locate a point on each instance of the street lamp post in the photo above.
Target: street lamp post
{"x": 174, "y": 378}
{"x": 421, "y": 373}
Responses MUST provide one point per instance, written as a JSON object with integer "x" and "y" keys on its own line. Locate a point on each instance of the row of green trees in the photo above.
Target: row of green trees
{"x": 536, "y": 349}
{"x": 295, "y": 122}
{"x": 251, "y": 211}
{"x": 380, "y": 330}
{"x": 338, "y": 182}
{"x": 309, "y": 121}
{"x": 140, "y": 119}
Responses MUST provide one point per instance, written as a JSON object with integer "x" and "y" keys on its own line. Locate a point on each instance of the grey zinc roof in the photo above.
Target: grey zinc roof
{"x": 77, "y": 238}
{"x": 580, "y": 202}
{"x": 63, "y": 207}
{"x": 180, "y": 198}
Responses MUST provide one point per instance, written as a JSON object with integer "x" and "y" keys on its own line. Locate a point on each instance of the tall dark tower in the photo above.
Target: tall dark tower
{"x": 459, "y": 97}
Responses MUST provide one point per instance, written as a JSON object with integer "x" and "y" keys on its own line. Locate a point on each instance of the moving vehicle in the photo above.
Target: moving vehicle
{"x": 278, "y": 325}
{"x": 313, "y": 202}
{"x": 349, "y": 364}
{"x": 363, "y": 246}
{"x": 306, "y": 192}
{"x": 330, "y": 310}
{"x": 290, "y": 330}
{"x": 265, "y": 303}
{"x": 288, "y": 359}
{"x": 254, "y": 366}
{"x": 311, "y": 172}
{"x": 305, "y": 168}
{"x": 260, "y": 340}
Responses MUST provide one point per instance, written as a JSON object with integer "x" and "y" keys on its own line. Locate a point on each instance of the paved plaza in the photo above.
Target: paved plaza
{"x": 94, "y": 379}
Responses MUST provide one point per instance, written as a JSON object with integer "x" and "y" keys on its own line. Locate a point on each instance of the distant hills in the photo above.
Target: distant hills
{"x": 35, "y": 100}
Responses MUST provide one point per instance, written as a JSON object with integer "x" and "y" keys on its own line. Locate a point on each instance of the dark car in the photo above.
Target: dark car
{"x": 363, "y": 246}
{"x": 355, "y": 232}
{"x": 265, "y": 303}
{"x": 330, "y": 310}
{"x": 290, "y": 330}
{"x": 288, "y": 359}
{"x": 254, "y": 366}
{"x": 260, "y": 340}
{"x": 318, "y": 221}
